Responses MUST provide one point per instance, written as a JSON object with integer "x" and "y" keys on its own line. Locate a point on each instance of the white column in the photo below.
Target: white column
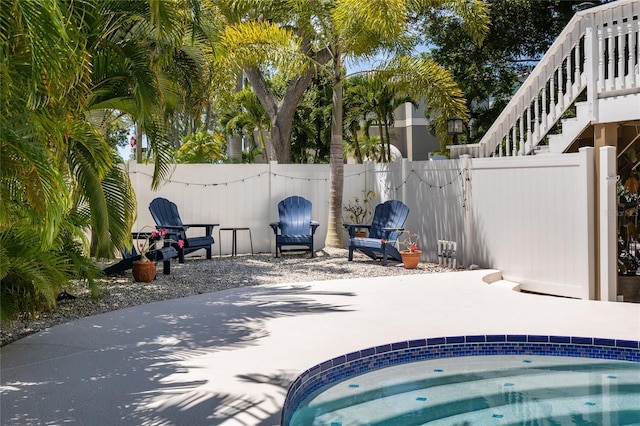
{"x": 591, "y": 67}
{"x": 608, "y": 220}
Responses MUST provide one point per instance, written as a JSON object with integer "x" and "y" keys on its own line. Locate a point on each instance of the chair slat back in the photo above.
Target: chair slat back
{"x": 295, "y": 215}
{"x": 165, "y": 212}
{"x": 390, "y": 214}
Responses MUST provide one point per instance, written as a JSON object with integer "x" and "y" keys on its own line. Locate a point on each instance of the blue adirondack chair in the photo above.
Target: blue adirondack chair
{"x": 295, "y": 226}
{"x": 165, "y": 214}
{"x": 164, "y": 254}
{"x": 388, "y": 218}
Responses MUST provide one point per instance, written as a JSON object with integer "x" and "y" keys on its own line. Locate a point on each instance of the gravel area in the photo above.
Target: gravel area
{"x": 198, "y": 276}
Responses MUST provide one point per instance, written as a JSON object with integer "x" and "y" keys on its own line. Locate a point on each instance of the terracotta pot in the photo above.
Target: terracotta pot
{"x": 144, "y": 271}
{"x": 410, "y": 259}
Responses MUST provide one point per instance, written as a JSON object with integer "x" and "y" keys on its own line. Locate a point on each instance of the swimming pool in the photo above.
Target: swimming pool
{"x": 452, "y": 380}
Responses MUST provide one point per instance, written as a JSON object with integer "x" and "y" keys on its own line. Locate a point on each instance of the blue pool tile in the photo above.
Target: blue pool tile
{"x": 421, "y": 398}
{"x": 368, "y": 352}
{"x": 436, "y": 341}
{"x": 604, "y": 342}
{"x": 382, "y": 349}
{"x": 627, "y": 344}
{"x": 498, "y": 416}
{"x": 559, "y": 339}
{"x": 438, "y": 370}
{"x": 313, "y": 371}
{"x": 582, "y": 340}
{"x": 354, "y": 385}
{"x": 325, "y": 366}
{"x": 399, "y": 345}
{"x": 343, "y": 367}
{"x": 353, "y": 356}
{"x": 336, "y": 424}
{"x": 338, "y": 360}
{"x": 589, "y": 403}
{"x": 417, "y": 343}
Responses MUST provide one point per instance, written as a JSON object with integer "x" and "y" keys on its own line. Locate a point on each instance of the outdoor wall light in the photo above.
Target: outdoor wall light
{"x": 455, "y": 127}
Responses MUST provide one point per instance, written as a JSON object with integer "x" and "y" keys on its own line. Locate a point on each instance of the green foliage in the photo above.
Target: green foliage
{"x": 201, "y": 147}
{"x": 69, "y": 71}
{"x": 244, "y": 115}
{"x": 521, "y": 32}
{"x": 310, "y": 135}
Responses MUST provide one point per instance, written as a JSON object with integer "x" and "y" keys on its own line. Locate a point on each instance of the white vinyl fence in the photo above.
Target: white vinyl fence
{"x": 530, "y": 217}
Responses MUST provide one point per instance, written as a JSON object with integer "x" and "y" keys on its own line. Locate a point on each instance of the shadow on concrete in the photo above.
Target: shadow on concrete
{"x": 150, "y": 364}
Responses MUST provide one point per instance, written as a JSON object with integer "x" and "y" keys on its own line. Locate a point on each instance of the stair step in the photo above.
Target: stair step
{"x": 506, "y": 285}
{"x": 571, "y": 129}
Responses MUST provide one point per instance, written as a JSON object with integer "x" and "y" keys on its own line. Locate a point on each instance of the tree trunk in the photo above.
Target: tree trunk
{"x": 234, "y": 147}
{"x": 383, "y": 151}
{"x": 336, "y": 161}
{"x": 357, "y": 153}
{"x": 281, "y": 113}
{"x": 388, "y": 148}
{"x": 138, "y": 143}
{"x": 234, "y": 143}
{"x": 263, "y": 146}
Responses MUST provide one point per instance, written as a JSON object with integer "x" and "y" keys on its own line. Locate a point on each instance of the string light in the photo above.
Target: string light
{"x": 382, "y": 183}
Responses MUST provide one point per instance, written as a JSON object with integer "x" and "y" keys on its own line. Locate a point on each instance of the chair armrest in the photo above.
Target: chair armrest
{"x": 354, "y": 226}
{"x": 209, "y": 226}
{"x": 314, "y": 225}
{"x": 275, "y": 226}
{"x": 174, "y": 228}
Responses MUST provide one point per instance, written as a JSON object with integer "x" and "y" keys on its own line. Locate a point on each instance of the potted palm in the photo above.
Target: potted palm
{"x": 359, "y": 211}
{"x": 144, "y": 270}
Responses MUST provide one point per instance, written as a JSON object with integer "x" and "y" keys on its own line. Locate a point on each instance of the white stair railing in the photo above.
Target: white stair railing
{"x": 597, "y": 50}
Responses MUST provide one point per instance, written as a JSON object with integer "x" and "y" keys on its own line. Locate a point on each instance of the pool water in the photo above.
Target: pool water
{"x": 482, "y": 390}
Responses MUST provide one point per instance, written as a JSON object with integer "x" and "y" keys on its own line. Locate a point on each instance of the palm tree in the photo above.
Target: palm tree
{"x": 325, "y": 32}
{"x": 201, "y": 147}
{"x": 64, "y": 63}
{"x": 246, "y": 116}
{"x": 359, "y": 29}
{"x": 357, "y": 103}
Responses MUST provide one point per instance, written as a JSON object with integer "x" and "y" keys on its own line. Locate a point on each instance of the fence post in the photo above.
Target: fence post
{"x": 465, "y": 163}
{"x": 587, "y": 221}
{"x": 608, "y": 220}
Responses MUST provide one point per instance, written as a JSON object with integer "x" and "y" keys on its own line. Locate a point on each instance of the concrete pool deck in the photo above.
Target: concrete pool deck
{"x": 228, "y": 357}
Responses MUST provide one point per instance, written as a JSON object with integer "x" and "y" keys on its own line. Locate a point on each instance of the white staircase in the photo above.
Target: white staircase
{"x": 571, "y": 129}
{"x": 597, "y": 52}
